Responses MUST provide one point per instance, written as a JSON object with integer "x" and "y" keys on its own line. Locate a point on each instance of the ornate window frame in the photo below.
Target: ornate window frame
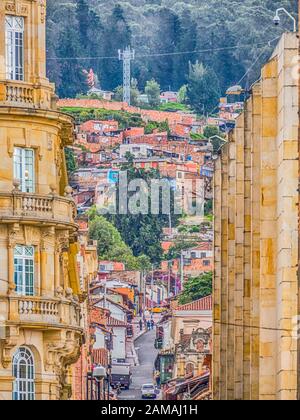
{"x": 23, "y": 370}
{"x": 24, "y": 270}
{"x": 15, "y": 47}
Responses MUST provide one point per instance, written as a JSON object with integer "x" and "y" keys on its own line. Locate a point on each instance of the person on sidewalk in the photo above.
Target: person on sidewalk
{"x": 141, "y": 325}
{"x": 148, "y": 325}
{"x": 152, "y": 324}
{"x": 157, "y": 379}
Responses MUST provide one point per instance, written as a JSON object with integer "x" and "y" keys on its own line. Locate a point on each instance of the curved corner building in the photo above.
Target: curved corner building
{"x": 40, "y": 330}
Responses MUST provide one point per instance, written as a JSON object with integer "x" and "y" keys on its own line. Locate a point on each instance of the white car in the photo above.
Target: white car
{"x": 149, "y": 391}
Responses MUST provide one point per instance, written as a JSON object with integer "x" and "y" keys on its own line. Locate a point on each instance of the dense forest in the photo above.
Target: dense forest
{"x": 231, "y": 38}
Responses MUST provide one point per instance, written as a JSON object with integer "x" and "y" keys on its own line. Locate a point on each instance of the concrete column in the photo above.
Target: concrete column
{"x": 255, "y": 240}
{"x": 247, "y": 252}
{"x": 268, "y": 233}
{"x": 231, "y": 269}
{"x": 239, "y": 257}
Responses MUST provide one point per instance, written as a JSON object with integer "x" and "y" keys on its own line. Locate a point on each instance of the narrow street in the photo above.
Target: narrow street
{"x": 142, "y": 374}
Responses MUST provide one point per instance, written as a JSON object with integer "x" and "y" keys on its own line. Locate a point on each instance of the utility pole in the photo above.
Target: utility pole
{"x": 144, "y": 288}
{"x": 181, "y": 270}
{"x": 127, "y": 56}
{"x": 105, "y": 293}
{"x": 169, "y": 279}
{"x": 152, "y": 291}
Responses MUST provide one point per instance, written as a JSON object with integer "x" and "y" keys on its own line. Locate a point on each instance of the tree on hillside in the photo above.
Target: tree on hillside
{"x": 110, "y": 244}
{"x": 82, "y": 15}
{"x": 152, "y": 90}
{"x": 117, "y": 36}
{"x": 232, "y": 35}
{"x": 71, "y": 71}
{"x": 142, "y": 231}
{"x": 211, "y": 131}
{"x": 166, "y": 39}
{"x": 203, "y": 90}
{"x": 187, "y": 42}
{"x": 223, "y": 61}
{"x": 90, "y": 34}
{"x": 134, "y": 93}
{"x": 182, "y": 94}
{"x": 176, "y": 250}
{"x": 197, "y": 288}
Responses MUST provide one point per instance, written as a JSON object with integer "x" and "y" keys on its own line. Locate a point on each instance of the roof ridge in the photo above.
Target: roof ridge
{"x": 206, "y": 301}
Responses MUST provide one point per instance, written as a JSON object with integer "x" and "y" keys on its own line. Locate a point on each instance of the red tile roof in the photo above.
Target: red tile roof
{"x": 203, "y": 246}
{"x": 100, "y": 357}
{"x": 96, "y": 301}
{"x": 204, "y": 304}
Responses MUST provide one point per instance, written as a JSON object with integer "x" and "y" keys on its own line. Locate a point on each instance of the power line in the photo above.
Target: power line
{"x": 251, "y": 67}
{"x": 254, "y": 327}
{"x": 207, "y": 50}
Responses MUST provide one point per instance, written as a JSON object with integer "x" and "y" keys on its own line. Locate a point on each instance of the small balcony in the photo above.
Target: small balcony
{"x": 22, "y": 94}
{"x": 33, "y": 208}
{"x": 37, "y": 312}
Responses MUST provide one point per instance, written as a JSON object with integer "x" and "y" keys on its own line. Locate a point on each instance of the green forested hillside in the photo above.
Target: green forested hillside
{"x": 165, "y": 34}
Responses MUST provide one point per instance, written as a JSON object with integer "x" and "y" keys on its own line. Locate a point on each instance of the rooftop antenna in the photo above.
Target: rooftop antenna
{"x": 127, "y": 56}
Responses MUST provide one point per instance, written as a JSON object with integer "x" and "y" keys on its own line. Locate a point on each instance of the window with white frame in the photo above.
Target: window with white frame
{"x": 24, "y": 270}
{"x": 14, "y": 40}
{"x": 24, "y": 374}
{"x": 24, "y": 163}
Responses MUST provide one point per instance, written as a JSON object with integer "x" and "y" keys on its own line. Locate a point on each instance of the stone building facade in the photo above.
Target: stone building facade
{"x": 256, "y": 293}
{"x": 40, "y": 291}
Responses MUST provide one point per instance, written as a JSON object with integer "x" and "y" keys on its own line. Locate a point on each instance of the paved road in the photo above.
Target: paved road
{"x": 142, "y": 374}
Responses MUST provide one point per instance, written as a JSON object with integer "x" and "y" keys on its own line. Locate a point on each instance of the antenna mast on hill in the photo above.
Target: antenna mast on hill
{"x": 127, "y": 56}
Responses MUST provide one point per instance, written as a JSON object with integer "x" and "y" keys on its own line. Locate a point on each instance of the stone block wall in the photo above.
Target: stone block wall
{"x": 256, "y": 241}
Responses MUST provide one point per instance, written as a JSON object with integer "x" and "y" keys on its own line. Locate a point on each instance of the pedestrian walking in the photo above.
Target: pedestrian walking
{"x": 141, "y": 325}
{"x": 148, "y": 325}
{"x": 157, "y": 378}
{"x": 152, "y": 324}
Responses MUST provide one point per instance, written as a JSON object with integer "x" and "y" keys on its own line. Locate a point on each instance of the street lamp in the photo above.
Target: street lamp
{"x": 99, "y": 373}
{"x": 276, "y": 19}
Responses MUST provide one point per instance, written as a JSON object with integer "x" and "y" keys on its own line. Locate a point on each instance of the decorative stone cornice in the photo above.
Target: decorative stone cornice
{"x": 7, "y": 345}
{"x": 16, "y": 7}
{"x": 62, "y": 350}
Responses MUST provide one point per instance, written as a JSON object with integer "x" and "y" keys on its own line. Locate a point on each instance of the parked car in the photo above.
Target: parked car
{"x": 149, "y": 392}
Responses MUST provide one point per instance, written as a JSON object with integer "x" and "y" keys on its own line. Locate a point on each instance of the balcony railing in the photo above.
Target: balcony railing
{"x": 37, "y": 208}
{"x": 41, "y": 311}
{"x": 38, "y": 307}
{"x": 19, "y": 93}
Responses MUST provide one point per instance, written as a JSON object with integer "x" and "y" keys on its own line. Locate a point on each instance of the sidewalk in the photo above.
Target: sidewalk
{"x": 131, "y": 354}
{"x": 137, "y": 333}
